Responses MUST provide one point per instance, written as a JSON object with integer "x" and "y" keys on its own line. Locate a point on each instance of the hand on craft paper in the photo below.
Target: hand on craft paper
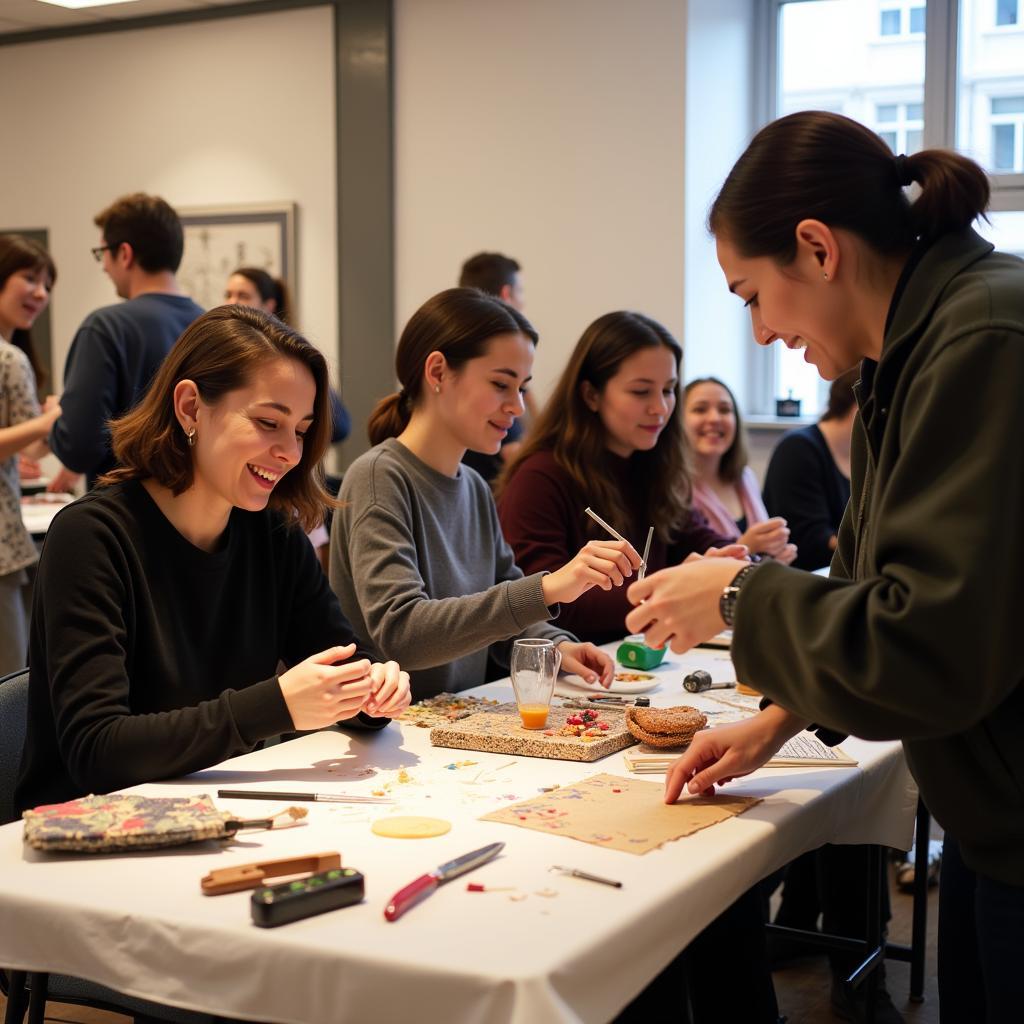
{"x": 588, "y": 662}
{"x": 390, "y": 695}
{"x": 320, "y": 692}
{"x": 716, "y": 756}
{"x": 679, "y": 605}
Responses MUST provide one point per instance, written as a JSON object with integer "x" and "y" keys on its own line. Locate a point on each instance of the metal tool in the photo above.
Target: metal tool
{"x": 583, "y": 703}
{"x": 647, "y": 551}
{"x": 576, "y": 873}
{"x": 698, "y": 681}
{"x": 329, "y": 798}
{"x": 423, "y": 886}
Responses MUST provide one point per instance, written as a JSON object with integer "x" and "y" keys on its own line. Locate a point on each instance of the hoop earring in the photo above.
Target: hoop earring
{"x": 191, "y": 437}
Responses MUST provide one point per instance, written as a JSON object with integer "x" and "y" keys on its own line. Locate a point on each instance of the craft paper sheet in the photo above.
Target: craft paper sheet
{"x": 620, "y": 813}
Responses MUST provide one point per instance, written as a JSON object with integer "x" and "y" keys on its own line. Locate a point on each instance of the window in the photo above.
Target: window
{"x": 1008, "y": 134}
{"x": 1008, "y": 12}
{"x": 878, "y": 78}
{"x": 901, "y": 125}
{"x": 867, "y": 79}
{"x": 904, "y": 18}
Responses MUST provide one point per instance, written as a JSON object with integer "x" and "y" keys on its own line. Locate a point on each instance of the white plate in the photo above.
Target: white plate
{"x": 574, "y": 686}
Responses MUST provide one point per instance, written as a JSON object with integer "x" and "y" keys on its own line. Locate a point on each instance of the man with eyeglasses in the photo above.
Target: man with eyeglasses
{"x": 118, "y": 348}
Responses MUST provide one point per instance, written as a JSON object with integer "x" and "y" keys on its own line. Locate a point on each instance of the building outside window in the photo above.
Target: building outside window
{"x": 878, "y": 78}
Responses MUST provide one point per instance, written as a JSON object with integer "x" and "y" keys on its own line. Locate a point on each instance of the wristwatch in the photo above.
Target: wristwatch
{"x": 727, "y": 602}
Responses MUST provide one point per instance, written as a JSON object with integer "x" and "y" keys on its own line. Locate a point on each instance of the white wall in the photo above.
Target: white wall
{"x": 551, "y": 130}
{"x": 719, "y": 124}
{"x": 233, "y": 111}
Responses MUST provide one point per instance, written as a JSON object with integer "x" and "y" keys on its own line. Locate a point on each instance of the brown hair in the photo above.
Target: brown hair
{"x": 270, "y": 287}
{"x": 830, "y": 168}
{"x": 577, "y": 439}
{"x": 735, "y": 460}
{"x": 459, "y": 323}
{"x": 149, "y": 225}
{"x": 841, "y": 398}
{"x": 20, "y": 253}
{"x": 489, "y": 271}
{"x": 221, "y": 352}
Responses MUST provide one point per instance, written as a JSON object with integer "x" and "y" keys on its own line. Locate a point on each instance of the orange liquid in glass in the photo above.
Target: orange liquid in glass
{"x": 534, "y": 716}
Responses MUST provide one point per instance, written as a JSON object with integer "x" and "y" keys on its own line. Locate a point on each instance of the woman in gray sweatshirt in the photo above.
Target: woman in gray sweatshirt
{"x": 418, "y": 559}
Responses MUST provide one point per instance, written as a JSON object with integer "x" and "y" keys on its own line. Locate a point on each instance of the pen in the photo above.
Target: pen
{"x": 328, "y": 798}
{"x": 604, "y": 526}
{"x": 576, "y": 873}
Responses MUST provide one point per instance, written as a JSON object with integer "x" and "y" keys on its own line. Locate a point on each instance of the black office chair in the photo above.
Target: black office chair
{"x": 31, "y": 988}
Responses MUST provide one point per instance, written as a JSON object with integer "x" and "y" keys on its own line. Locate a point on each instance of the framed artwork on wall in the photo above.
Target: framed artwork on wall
{"x": 218, "y": 239}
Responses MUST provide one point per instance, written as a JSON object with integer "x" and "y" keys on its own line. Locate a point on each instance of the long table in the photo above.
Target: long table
{"x": 570, "y": 950}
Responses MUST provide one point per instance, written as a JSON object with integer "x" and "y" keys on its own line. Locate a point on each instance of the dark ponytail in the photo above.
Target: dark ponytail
{"x": 823, "y": 166}
{"x": 459, "y": 323}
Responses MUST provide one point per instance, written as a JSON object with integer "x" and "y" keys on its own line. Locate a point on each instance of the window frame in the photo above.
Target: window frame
{"x": 941, "y": 84}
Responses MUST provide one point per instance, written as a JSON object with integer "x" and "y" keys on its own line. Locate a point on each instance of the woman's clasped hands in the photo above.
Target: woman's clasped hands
{"x": 327, "y": 688}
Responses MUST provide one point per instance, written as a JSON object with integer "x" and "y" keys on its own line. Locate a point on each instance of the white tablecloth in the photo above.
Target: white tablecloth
{"x": 139, "y": 924}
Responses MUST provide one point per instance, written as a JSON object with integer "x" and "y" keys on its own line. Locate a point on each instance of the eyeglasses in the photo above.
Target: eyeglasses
{"x": 98, "y": 250}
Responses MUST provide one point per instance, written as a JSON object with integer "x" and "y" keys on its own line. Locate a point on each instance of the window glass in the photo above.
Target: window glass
{"x": 890, "y": 23}
{"x": 877, "y": 81}
{"x": 990, "y": 85}
{"x": 1006, "y": 12}
{"x": 1005, "y": 230}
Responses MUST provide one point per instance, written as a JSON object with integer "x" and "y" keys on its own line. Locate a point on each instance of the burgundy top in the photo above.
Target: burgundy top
{"x": 542, "y": 517}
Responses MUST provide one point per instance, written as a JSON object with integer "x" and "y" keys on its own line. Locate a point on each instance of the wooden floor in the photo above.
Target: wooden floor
{"x": 803, "y": 991}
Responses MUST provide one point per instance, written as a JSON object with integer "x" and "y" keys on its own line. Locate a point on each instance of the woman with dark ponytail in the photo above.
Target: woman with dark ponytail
{"x": 417, "y": 554}
{"x": 916, "y": 633}
{"x": 254, "y": 287}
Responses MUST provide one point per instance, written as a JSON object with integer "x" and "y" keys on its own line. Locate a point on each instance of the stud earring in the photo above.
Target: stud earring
{"x": 825, "y": 276}
{"x": 437, "y": 389}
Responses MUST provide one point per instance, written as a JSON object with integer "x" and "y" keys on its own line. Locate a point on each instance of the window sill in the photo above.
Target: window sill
{"x": 778, "y": 423}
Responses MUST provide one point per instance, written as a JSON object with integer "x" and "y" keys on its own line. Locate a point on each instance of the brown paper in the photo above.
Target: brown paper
{"x": 620, "y": 813}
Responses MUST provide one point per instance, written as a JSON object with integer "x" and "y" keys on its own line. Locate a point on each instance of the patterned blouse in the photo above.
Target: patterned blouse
{"x": 18, "y": 403}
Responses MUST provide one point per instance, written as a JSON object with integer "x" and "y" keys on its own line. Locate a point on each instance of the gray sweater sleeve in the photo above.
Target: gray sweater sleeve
{"x": 508, "y": 570}
{"x": 403, "y": 621}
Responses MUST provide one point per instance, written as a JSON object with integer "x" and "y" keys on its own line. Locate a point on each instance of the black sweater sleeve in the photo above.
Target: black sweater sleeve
{"x": 315, "y": 620}
{"x": 796, "y": 488}
{"x": 86, "y": 609}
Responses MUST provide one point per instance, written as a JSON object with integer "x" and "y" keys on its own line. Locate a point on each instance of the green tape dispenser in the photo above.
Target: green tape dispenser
{"x": 634, "y": 653}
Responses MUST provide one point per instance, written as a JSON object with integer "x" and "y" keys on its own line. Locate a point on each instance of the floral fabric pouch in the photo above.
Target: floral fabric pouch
{"x": 99, "y": 824}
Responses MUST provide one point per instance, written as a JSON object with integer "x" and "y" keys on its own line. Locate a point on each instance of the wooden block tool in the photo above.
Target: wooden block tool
{"x": 251, "y": 876}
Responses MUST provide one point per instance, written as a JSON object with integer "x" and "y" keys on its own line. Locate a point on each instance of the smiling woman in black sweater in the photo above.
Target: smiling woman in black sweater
{"x": 167, "y": 598}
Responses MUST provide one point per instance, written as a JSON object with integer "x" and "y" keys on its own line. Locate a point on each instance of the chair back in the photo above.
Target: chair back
{"x": 13, "y": 724}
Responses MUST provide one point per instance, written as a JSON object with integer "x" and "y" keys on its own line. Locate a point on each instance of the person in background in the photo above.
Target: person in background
{"x": 252, "y": 286}
{"x": 725, "y": 488}
{"x": 27, "y": 275}
{"x": 417, "y": 554}
{"x": 611, "y": 438}
{"x": 915, "y": 633}
{"x": 808, "y": 478}
{"x": 170, "y": 594}
{"x": 117, "y": 350}
{"x": 499, "y": 275}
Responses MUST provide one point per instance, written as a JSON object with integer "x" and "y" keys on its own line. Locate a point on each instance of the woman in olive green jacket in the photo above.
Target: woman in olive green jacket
{"x": 917, "y": 633}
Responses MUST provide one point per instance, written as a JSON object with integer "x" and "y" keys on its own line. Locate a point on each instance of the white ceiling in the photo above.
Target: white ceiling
{"x": 31, "y": 15}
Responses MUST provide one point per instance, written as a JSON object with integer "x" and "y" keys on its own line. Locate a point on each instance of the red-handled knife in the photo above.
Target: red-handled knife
{"x": 419, "y": 890}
